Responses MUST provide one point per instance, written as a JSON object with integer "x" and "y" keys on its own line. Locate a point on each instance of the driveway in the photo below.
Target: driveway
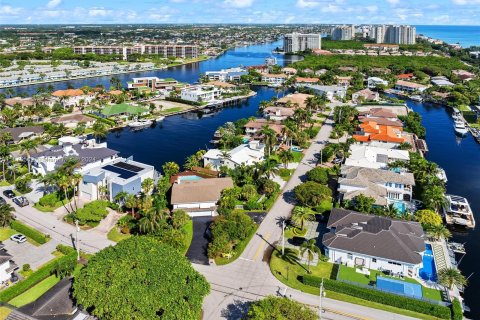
{"x": 28, "y": 253}
{"x": 197, "y": 253}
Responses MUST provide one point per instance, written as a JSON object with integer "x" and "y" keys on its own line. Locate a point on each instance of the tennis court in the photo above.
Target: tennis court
{"x": 399, "y": 287}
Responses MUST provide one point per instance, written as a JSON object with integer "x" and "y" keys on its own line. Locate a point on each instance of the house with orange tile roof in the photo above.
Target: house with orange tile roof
{"x": 405, "y": 76}
{"x": 72, "y": 97}
{"x": 381, "y": 116}
{"x": 372, "y": 131}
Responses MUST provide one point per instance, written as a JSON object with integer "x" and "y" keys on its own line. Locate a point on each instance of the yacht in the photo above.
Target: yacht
{"x": 158, "y": 119}
{"x": 416, "y": 98}
{"x": 459, "y": 127}
{"x": 456, "y": 114}
{"x": 442, "y": 175}
{"x": 140, "y": 124}
{"x": 458, "y": 212}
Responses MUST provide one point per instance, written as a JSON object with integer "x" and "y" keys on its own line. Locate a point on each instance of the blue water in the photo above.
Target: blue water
{"x": 400, "y": 206}
{"x": 400, "y": 287}
{"x": 428, "y": 271}
{"x": 465, "y": 35}
{"x": 190, "y": 178}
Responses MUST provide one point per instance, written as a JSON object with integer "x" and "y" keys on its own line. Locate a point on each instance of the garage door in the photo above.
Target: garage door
{"x": 206, "y": 213}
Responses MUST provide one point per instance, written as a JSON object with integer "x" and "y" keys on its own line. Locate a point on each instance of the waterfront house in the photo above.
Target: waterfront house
{"x": 117, "y": 174}
{"x": 385, "y": 186}
{"x": 374, "y": 82}
{"x": 253, "y": 127}
{"x": 382, "y": 116}
{"x": 408, "y": 86}
{"x": 72, "y": 97}
{"x": 224, "y": 75}
{"x": 298, "y": 100}
{"x": 379, "y": 243}
{"x": 330, "y": 92}
{"x": 23, "y": 133}
{"x": 274, "y": 79}
{"x": 200, "y": 93}
{"x": 199, "y": 197}
{"x": 373, "y": 131}
{"x": 247, "y": 154}
{"x": 441, "y": 81}
{"x": 278, "y": 113}
{"x": 374, "y": 157}
{"x": 73, "y": 120}
{"x": 153, "y": 83}
{"x": 122, "y": 110}
{"x": 89, "y": 153}
{"x": 365, "y": 95}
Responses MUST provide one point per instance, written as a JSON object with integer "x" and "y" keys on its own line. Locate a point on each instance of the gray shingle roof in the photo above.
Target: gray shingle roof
{"x": 375, "y": 236}
{"x": 86, "y": 155}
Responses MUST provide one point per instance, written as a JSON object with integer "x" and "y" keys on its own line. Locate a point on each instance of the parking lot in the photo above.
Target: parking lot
{"x": 28, "y": 253}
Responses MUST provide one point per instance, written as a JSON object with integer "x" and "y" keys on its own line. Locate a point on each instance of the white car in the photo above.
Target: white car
{"x": 18, "y": 238}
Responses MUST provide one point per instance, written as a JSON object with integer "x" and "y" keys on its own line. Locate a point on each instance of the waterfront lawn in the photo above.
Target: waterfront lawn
{"x": 34, "y": 292}
{"x": 122, "y": 108}
{"x": 116, "y": 236}
{"x": 171, "y": 110}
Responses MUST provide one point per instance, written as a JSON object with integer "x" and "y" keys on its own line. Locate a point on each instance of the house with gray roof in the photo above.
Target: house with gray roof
{"x": 374, "y": 242}
{"x": 384, "y": 185}
{"x": 23, "y": 133}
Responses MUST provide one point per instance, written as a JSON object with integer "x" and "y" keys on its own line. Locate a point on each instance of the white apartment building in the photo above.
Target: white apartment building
{"x": 402, "y": 34}
{"x": 298, "y": 42}
{"x": 330, "y": 92}
{"x": 343, "y": 33}
{"x": 200, "y": 93}
{"x": 224, "y": 75}
{"x": 274, "y": 79}
{"x": 177, "y": 51}
{"x": 374, "y": 82}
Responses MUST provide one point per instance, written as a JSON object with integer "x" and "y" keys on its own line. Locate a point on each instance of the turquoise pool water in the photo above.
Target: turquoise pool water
{"x": 428, "y": 271}
{"x": 190, "y": 178}
{"x": 400, "y": 206}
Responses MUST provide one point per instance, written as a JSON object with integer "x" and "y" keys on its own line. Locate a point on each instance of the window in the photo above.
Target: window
{"x": 349, "y": 256}
{"x": 374, "y": 260}
{"x": 394, "y": 263}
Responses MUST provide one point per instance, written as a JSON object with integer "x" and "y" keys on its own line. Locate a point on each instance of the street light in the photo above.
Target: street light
{"x": 283, "y": 237}
{"x": 77, "y": 229}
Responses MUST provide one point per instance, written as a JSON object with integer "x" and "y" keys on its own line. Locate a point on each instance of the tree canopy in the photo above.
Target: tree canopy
{"x": 311, "y": 193}
{"x": 279, "y": 309}
{"x": 428, "y": 218}
{"x": 142, "y": 278}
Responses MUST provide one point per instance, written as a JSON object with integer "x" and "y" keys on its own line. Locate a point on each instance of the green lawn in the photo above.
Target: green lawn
{"x": 35, "y": 292}
{"x": 122, "y": 108}
{"x": 297, "y": 156}
{"x": 116, "y": 236}
{"x": 238, "y": 250}
{"x": 188, "y": 227}
{"x": 57, "y": 205}
{"x": 4, "y": 183}
{"x": 171, "y": 110}
{"x": 6, "y": 233}
{"x": 4, "y": 312}
{"x": 285, "y": 174}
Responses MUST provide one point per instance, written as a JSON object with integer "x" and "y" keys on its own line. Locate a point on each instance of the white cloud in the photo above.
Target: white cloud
{"x": 372, "y": 9}
{"x": 441, "y": 19}
{"x": 238, "y": 3}
{"x": 466, "y": 2}
{"x": 306, "y": 4}
{"x": 53, "y": 3}
{"x": 9, "y": 10}
{"x": 98, "y": 12}
{"x": 289, "y": 19}
{"x": 393, "y": 2}
{"x": 331, "y": 8}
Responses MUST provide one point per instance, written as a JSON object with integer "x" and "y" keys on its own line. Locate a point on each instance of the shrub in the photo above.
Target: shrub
{"x": 49, "y": 200}
{"x": 319, "y": 175}
{"x": 457, "y": 312}
{"x": 311, "y": 193}
{"x": 26, "y": 267}
{"x": 379, "y": 297}
{"x": 65, "y": 249}
{"x": 29, "y": 232}
{"x": 253, "y": 204}
{"x": 92, "y": 212}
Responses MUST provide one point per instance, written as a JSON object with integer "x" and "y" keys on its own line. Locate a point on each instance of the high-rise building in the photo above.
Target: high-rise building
{"x": 298, "y": 42}
{"x": 166, "y": 50}
{"x": 394, "y": 34}
{"x": 343, "y": 33}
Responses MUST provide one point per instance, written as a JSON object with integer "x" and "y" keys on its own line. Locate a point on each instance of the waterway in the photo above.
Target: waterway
{"x": 179, "y": 136}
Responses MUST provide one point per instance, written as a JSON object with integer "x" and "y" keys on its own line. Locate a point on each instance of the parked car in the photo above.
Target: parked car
{"x": 18, "y": 238}
{"x": 297, "y": 241}
{"x": 21, "y": 201}
{"x": 9, "y": 194}
{"x": 2, "y": 201}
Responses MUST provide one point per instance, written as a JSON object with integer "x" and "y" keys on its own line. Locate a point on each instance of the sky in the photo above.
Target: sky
{"x": 415, "y": 12}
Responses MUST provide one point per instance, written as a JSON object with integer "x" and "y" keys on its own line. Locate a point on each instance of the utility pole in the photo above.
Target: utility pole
{"x": 283, "y": 237}
{"x": 322, "y": 293}
{"x": 77, "y": 229}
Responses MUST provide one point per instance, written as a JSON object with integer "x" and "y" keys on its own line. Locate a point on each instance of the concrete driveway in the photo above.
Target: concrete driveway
{"x": 28, "y": 253}
{"x": 197, "y": 253}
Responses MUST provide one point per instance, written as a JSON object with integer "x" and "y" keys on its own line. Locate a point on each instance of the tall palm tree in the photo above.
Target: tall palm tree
{"x": 147, "y": 185}
{"x": 4, "y": 156}
{"x": 285, "y": 157}
{"x": 269, "y": 168}
{"x": 310, "y": 248}
{"x": 6, "y": 214}
{"x": 438, "y": 232}
{"x": 269, "y": 138}
{"x": 26, "y": 147}
{"x": 150, "y": 221}
{"x": 120, "y": 197}
{"x": 302, "y": 214}
{"x": 99, "y": 130}
{"x": 390, "y": 211}
{"x": 131, "y": 203}
{"x": 450, "y": 277}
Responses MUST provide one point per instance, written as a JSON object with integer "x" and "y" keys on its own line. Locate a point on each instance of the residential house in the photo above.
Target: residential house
{"x": 374, "y": 242}
{"x": 274, "y": 79}
{"x": 441, "y": 81}
{"x": 385, "y": 186}
{"x": 73, "y": 120}
{"x": 232, "y": 74}
{"x": 72, "y": 97}
{"x": 89, "y": 154}
{"x": 199, "y": 197}
{"x": 200, "y": 93}
{"x": 153, "y": 83}
{"x": 294, "y": 99}
{"x": 23, "y": 102}
{"x": 409, "y": 86}
{"x": 382, "y": 116}
{"x": 374, "y": 82}
{"x": 382, "y": 47}
{"x": 343, "y": 81}
{"x": 330, "y": 92}
{"x": 302, "y": 80}
{"x": 405, "y": 76}
{"x": 365, "y": 95}
{"x": 253, "y": 127}
{"x": 289, "y": 71}
{"x": 372, "y": 131}
{"x": 118, "y": 175}
{"x": 259, "y": 69}
{"x": 374, "y": 157}
{"x": 247, "y": 154}
{"x": 7, "y": 266}
{"x": 23, "y": 133}
{"x": 464, "y": 75}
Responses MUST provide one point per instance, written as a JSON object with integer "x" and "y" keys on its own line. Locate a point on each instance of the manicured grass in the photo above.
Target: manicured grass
{"x": 285, "y": 174}
{"x": 35, "y": 292}
{"x": 297, "y": 156}
{"x": 57, "y": 205}
{"x": 325, "y": 206}
{"x": 326, "y": 270}
{"x": 4, "y": 312}
{"x": 112, "y": 110}
{"x": 6, "y": 233}
{"x": 116, "y": 236}
{"x": 171, "y": 110}
{"x": 238, "y": 250}
{"x": 188, "y": 228}
{"x": 5, "y": 183}
{"x": 349, "y": 274}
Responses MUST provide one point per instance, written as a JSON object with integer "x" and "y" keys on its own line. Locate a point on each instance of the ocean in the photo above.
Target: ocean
{"x": 466, "y": 36}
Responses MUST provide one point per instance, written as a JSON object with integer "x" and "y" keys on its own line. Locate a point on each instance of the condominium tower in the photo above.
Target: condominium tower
{"x": 177, "y": 51}
{"x": 343, "y": 33}
{"x": 393, "y": 34}
{"x": 298, "y": 42}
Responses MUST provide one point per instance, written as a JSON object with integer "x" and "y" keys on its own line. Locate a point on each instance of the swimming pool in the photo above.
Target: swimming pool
{"x": 190, "y": 178}
{"x": 400, "y": 206}
{"x": 400, "y": 287}
{"x": 428, "y": 271}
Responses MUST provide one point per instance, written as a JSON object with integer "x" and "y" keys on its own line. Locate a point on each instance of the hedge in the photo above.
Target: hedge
{"x": 179, "y": 100}
{"x": 380, "y": 297}
{"x": 457, "y": 312}
{"x": 41, "y": 274}
{"x": 29, "y": 232}
{"x": 109, "y": 122}
{"x": 65, "y": 249}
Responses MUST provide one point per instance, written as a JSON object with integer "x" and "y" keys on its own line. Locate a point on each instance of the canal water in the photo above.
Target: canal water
{"x": 182, "y": 135}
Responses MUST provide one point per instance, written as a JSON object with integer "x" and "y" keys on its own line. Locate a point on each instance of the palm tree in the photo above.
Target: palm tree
{"x": 450, "y": 277}
{"x": 120, "y": 197}
{"x": 13, "y": 168}
{"x": 269, "y": 137}
{"x": 26, "y": 147}
{"x": 310, "y": 247}
{"x": 116, "y": 83}
{"x": 150, "y": 221}
{"x": 302, "y": 214}
{"x": 438, "y": 232}
{"x": 285, "y": 157}
{"x": 290, "y": 255}
{"x": 433, "y": 196}
{"x": 269, "y": 168}
{"x": 147, "y": 185}
{"x": 131, "y": 203}
{"x": 390, "y": 211}
{"x": 225, "y": 155}
{"x": 99, "y": 130}
{"x": 6, "y": 214}
{"x": 4, "y": 155}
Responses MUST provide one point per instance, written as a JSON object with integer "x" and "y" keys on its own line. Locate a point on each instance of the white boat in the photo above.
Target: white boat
{"x": 459, "y": 127}
{"x": 139, "y": 124}
{"x": 458, "y": 211}
{"x": 442, "y": 175}
{"x": 416, "y": 98}
{"x": 161, "y": 118}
